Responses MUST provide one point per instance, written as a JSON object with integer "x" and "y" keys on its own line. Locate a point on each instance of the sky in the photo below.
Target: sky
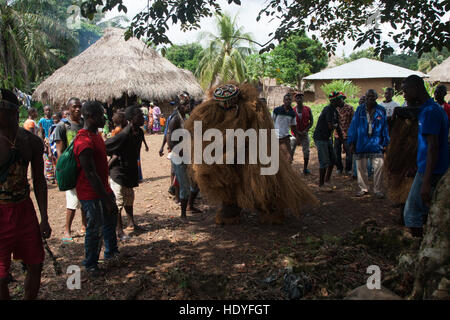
{"x": 247, "y": 14}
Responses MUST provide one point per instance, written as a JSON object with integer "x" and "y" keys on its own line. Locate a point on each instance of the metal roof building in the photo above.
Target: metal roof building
{"x": 365, "y": 73}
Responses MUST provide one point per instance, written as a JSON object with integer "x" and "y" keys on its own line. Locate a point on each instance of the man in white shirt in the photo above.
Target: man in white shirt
{"x": 284, "y": 120}
{"x": 388, "y": 103}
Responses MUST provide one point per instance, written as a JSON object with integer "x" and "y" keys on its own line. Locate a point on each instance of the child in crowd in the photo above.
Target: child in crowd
{"x": 30, "y": 123}
{"x": 49, "y": 157}
{"x": 119, "y": 123}
{"x": 57, "y": 118}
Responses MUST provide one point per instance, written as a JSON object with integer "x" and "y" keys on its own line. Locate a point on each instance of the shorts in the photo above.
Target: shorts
{"x": 124, "y": 195}
{"x": 72, "y": 202}
{"x": 326, "y": 153}
{"x": 20, "y": 235}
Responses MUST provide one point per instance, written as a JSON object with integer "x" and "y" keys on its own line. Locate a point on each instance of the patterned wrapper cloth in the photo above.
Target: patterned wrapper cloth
{"x": 49, "y": 168}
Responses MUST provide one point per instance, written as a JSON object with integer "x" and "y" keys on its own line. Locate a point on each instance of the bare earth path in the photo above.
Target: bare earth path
{"x": 197, "y": 259}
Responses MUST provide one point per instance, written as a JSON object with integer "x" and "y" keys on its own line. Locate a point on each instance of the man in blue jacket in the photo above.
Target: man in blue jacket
{"x": 368, "y": 138}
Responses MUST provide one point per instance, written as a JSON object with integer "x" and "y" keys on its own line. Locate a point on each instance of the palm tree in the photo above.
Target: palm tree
{"x": 431, "y": 59}
{"x": 32, "y": 42}
{"x": 224, "y": 57}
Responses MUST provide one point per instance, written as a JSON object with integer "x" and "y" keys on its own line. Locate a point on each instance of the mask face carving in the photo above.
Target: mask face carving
{"x": 228, "y": 96}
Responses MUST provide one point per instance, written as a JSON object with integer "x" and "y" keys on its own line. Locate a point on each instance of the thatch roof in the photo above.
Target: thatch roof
{"x": 112, "y": 67}
{"x": 441, "y": 72}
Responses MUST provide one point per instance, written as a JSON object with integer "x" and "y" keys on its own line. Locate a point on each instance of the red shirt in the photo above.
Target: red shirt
{"x": 447, "y": 109}
{"x": 88, "y": 140}
{"x": 302, "y": 118}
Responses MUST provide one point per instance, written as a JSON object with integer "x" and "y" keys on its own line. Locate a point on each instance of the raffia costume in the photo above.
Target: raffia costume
{"x": 242, "y": 186}
{"x": 400, "y": 165}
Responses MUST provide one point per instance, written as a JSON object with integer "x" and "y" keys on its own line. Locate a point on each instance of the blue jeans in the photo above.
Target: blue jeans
{"x": 100, "y": 224}
{"x": 186, "y": 185}
{"x": 326, "y": 153}
{"x": 415, "y": 209}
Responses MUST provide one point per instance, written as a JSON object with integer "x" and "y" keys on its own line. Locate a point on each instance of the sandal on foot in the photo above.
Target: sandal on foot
{"x": 66, "y": 240}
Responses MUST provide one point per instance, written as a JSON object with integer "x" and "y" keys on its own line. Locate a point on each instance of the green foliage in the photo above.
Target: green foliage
{"x": 398, "y": 97}
{"x": 366, "y": 53}
{"x": 34, "y": 42}
{"x": 224, "y": 57}
{"x": 186, "y": 56}
{"x": 431, "y": 59}
{"x": 257, "y": 67}
{"x": 430, "y": 88}
{"x": 419, "y": 25}
{"x": 346, "y": 86}
{"x": 295, "y": 58}
{"x": 405, "y": 60}
{"x": 288, "y": 62}
{"x": 88, "y": 34}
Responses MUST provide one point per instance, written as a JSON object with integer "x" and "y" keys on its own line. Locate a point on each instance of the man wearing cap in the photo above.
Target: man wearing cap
{"x": 327, "y": 123}
{"x": 20, "y": 231}
{"x": 345, "y": 118}
{"x": 368, "y": 138}
{"x": 284, "y": 120}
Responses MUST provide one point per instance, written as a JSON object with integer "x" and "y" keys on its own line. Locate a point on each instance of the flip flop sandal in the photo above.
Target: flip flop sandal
{"x": 67, "y": 240}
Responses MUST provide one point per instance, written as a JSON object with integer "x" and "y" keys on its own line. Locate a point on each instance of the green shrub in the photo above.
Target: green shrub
{"x": 345, "y": 86}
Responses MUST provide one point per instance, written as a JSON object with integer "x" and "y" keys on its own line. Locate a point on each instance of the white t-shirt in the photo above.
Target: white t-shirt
{"x": 283, "y": 121}
{"x": 389, "y": 106}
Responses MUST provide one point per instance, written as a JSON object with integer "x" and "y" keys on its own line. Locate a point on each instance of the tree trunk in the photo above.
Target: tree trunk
{"x": 299, "y": 82}
{"x": 432, "y": 278}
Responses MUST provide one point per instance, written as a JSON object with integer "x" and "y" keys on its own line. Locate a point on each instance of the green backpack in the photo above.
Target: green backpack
{"x": 66, "y": 169}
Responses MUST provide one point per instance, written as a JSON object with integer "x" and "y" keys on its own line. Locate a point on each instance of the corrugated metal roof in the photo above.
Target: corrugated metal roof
{"x": 364, "y": 69}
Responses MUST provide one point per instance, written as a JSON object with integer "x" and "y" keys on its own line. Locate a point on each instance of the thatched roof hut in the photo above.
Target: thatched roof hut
{"x": 112, "y": 69}
{"x": 441, "y": 72}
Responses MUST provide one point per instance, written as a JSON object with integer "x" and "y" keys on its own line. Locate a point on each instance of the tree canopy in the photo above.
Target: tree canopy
{"x": 223, "y": 59}
{"x": 418, "y": 24}
{"x": 35, "y": 39}
{"x": 431, "y": 59}
{"x": 409, "y": 60}
{"x": 32, "y": 41}
{"x": 406, "y": 60}
{"x": 185, "y": 56}
{"x": 295, "y": 58}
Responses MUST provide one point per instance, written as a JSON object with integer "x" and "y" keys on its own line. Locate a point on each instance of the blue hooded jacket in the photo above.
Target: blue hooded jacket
{"x": 358, "y": 131}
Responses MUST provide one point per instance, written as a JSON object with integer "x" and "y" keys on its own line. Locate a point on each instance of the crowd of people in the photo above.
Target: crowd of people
{"x": 109, "y": 169}
{"x": 364, "y": 136}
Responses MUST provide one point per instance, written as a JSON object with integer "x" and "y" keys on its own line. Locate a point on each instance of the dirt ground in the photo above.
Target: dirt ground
{"x": 197, "y": 259}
